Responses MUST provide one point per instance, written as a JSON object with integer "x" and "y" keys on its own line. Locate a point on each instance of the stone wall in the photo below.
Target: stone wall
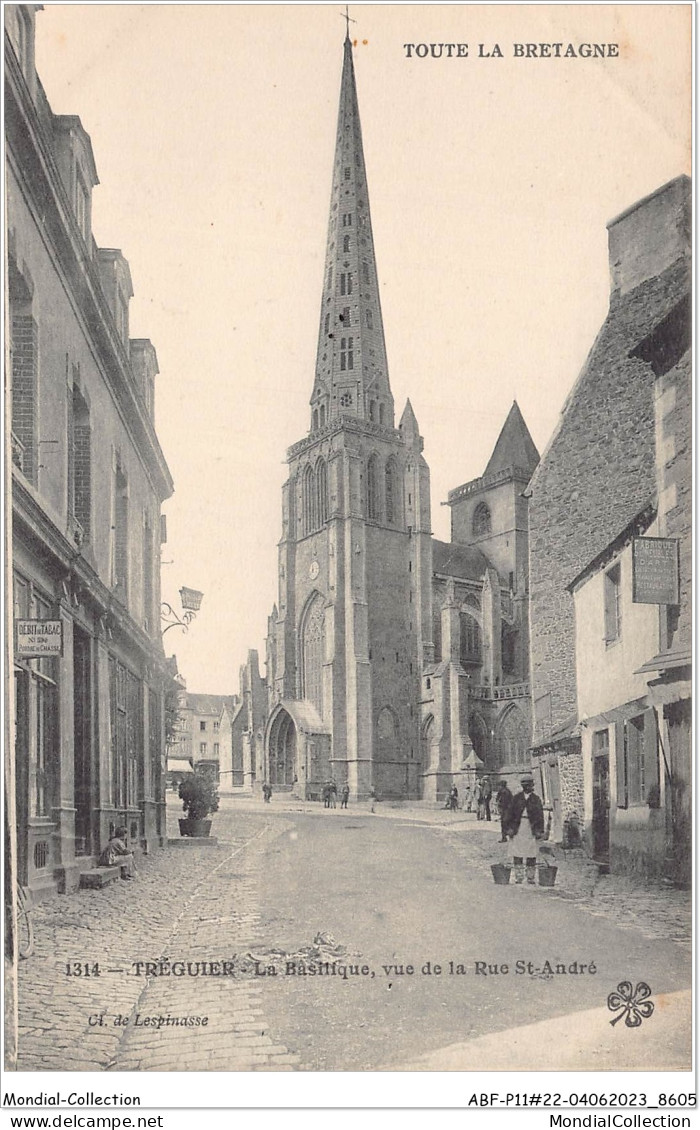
{"x": 597, "y": 474}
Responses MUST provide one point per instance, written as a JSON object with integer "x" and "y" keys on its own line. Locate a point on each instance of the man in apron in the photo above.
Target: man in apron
{"x": 525, "y": 827}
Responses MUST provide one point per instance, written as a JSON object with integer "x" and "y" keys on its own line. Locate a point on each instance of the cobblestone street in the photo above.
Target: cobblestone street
{"x": 403, "y": 884}
{"x": 192, "y": 903}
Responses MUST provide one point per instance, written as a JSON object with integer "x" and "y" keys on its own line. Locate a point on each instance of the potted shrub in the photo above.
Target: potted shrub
{"x": 200, "y": 797}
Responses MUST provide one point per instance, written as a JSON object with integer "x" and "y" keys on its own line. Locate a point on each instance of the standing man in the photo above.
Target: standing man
{"x": 486, "y": 791}
{"x": 525, "y": 827}
{"x": 344, "y": 796}
{"x": 504, "y": 799}
{"x": 332, "y": 794}
{"x": 479, "y": 800}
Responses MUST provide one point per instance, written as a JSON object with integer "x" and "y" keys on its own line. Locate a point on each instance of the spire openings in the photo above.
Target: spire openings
{"x": 351, "y": 365}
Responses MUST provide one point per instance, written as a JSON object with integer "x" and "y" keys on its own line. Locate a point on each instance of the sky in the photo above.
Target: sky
{"x": 491, "y": 181}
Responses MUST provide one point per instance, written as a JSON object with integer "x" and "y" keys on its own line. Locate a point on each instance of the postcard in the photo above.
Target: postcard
{"x": 349, "y": 545}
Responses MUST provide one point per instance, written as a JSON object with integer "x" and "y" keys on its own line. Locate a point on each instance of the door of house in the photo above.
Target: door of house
{"x": 601, "y": 797}
{"x": 82, "y": 741}
{"x": 679, "y": 718}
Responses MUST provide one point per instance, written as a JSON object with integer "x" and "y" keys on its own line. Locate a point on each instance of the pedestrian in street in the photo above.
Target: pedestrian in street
{"x": 345, "y": 796}
{"x": 326, "y": 794}
{"x": 525, "y": 827}
{"x": 486, "y": 792}
{"x": 267, "y": 792}
{"x": 117, "y": 852}
{"x": 333, "y": 793}
{"x": 454, "y": 799}
{"x": 479, "y": 800}
{"x": 504, "y": 799}
{"x": 468, "y": 799}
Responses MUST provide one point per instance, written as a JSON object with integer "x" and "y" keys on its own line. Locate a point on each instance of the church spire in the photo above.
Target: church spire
{"x": 352, "y": 376}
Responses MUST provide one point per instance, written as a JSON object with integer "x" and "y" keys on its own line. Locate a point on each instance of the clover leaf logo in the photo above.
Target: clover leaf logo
{"x": 631, "y": 1003}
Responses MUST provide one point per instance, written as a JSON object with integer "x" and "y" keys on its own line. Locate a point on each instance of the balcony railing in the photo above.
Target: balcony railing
{"x": 501, "y": 692}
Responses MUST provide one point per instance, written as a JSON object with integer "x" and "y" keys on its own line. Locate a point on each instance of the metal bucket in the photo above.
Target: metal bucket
{"x": 501, "y": 874}
{"x": 547, "y": 875}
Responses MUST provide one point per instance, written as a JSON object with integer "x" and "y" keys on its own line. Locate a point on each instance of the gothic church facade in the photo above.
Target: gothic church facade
{"x": 395, "y": 663}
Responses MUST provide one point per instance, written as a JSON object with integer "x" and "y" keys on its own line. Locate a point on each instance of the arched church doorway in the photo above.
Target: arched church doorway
{"x": 282, "y": 752}
{"x": 478, "y": 735}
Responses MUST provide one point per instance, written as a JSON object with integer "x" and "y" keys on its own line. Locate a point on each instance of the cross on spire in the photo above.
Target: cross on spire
{"x": 348, "y": 20}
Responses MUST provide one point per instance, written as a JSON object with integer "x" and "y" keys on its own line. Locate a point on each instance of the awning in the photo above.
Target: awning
{"x": 179, "y": 765}
{"x": 620, "y": 713}
{"x": 667, "y": 661}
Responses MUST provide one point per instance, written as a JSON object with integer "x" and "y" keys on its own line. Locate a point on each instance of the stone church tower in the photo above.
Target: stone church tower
{"x": 352, "y": 628}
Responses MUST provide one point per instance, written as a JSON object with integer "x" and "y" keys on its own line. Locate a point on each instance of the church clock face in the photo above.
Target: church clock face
{"x": 313, "y": 570}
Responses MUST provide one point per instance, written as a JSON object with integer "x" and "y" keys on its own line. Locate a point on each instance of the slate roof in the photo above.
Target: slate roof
{"x": 465, "y": 562}
{"x": 514, "y": 446}
{"x": 210, "y": 703}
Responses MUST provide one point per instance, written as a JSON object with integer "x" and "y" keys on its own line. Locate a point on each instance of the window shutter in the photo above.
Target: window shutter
{"x": 620, "y": 764}
{"x": 635, "y": 752}
{"x": 651, "y": 754}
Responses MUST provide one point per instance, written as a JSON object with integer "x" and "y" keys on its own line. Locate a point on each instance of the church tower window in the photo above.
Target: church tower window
{"x": 308, "y": 500}
{"x": 369, "y": 320}
{"x": 346, "y": 354}
{"x": 347, "y": 219}
{"x": 381, "y": 415}
{"x": 514, "y": 739}
{"x": 371, "y": 410}
{"x": 346, "y": 243}
{"x": 469, "y": 639}
{"x": 372, "y": 487}
{"x": 327, "y": 324}
{"x": 321, "y": 493}
{"x": 509, "y": 637}
{"x": 391, "y": 490}
{"x": 315, "y": 424}
{"x": 312, "y": 648}
{"x": 481, "y": 521}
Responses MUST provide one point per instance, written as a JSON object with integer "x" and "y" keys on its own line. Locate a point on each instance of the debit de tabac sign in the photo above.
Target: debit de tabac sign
{"x": 35, "y": 639}
{"x": 655, "y": 571}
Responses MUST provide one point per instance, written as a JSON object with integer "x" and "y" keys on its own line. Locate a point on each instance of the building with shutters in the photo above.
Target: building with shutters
{"x": 396, "y": 663}
{"x": 610, "y": 655}
{"x": 87, "y": 481}
{"x": 204, "y": 725}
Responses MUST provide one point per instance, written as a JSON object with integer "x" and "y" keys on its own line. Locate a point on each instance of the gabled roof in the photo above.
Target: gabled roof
{"x": 514, "y": 446}
{"x": 210, "y": 703}
{"x": 464, "y": 562}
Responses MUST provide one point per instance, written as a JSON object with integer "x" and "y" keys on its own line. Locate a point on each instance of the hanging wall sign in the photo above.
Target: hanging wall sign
{"x": 35, "y": 639}
{"x": 655, "y": 573}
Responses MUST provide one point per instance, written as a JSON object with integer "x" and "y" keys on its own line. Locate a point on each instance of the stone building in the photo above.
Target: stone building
{"x": 87, "y": 481}
{"x": 395, "y": 663}
{"x": 618, "y": 470}
{"x": 205, "y": 730}
{"x": 247, "y": 730}
{"x": 476, "y": 694}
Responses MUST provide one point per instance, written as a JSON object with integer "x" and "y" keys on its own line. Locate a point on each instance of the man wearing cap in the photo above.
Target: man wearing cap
{"x": 504, "y": 799}
{"x": 524, "y": 827}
